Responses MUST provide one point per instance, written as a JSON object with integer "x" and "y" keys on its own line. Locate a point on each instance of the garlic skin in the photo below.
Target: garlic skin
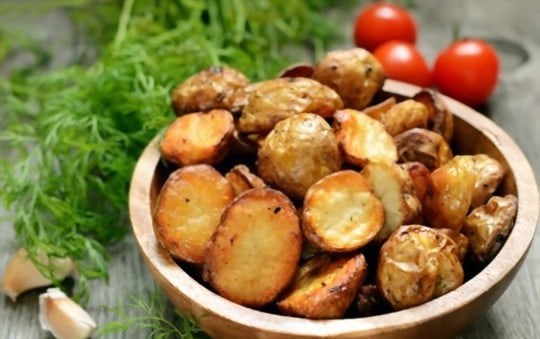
{"x": 22, "y": 275}
{"x": 63, "y": 317}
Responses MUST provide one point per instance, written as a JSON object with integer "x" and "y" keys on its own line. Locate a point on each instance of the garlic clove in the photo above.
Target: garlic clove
{"x": 63, "y": 317}
{"x": 22, "y": 275}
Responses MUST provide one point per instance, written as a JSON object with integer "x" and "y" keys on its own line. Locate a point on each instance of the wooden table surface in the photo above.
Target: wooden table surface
{"x": 514, "y": 106}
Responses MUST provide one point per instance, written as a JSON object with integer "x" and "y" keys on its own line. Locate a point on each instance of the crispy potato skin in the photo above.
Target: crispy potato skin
{"x": 416, "y": 264}
{"x": 355, "y": 74}
{"x": 241, "y": 179}
{"x": 375, "y": 111}
{"x": 488, "y": 226}
{"x": 277, "y": 99}
{"x": 324, "y": 287}
{"x": 489, "y": 174}
{"x": 462, "y": 242}
{"x": 394, "y": 188}
{"x": 341, "y": 213}
{"x": 299, "y": 151}
{"x": 403, "y": 116}
{"x": 197, "y": 138}
{"x": 450, "y": 193}
{"x": 440, "y": 119}
{"x": 422, "y": 145}
{"x": 362, "y": 139}
{"x": 188, "y": 210}
{"x": 255, "y": 249}
{"x": 420, "y": 176}
{"x": 212, "y": 88}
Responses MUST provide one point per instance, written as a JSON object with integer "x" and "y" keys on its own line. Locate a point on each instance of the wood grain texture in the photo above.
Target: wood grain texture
{"x": 513, "y": 107}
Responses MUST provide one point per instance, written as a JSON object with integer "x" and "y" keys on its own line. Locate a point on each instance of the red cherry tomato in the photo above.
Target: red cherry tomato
{"x": 402, "y": 61}
{"x": 382, "y": 22}
{"x": 467, "y": 71}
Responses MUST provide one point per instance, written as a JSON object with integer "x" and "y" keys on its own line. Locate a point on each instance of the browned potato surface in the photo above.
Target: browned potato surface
{"x": 420, "y": 176}
{"x": 188, "y": 210}
{"x": 422, "y": 145}
{"x": 394, "y": 188}
{"x": 354, "y": 73}
{"x": 441, "y": 119}
{"x": 215, "y": 87}
{"x": 363, "y": 139}
{"x": 324, "y": 287}
{"x": 462, "y": 242}
{"x": 450, "y": 193}
{"x": 196, "y": 138}
{"x": 417, "y": 264}
{"x": 488, "y": 226}
{"x": 255, "y": 250}
{"x": 489, "y": 173}
{"x": 375, "y": 111}
{"x": 403, "y": 116}
{"x": 299, "y": 151}
{"x": 341, "y": 213}
{"x": 277, "y": 99}
{"x": 241, "y": 179}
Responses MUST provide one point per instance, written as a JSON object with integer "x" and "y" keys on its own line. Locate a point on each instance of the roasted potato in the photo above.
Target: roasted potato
{"x": 449, "y": 193}
{"x": 462, "y": 242}
{"x": 402, "y": 116}
{"x": 341, "y": 213}
{"x": 488, "y": 226}
{"x": 299, "y": 151}
{"x": 255, "y": 249}
{"x": 394, "y": 188}
{"x": 241, "y": 179}
{"x": 213, "y": 88}
{"x": 489, "y": 173}
{"x": 363, "y": 139}
{"x": 440, "y": 119}
{"x": 420, "y": 176}
{"x": 197, "y": 138}
{"x": 355, "y": 74}
{"x": 324, "y": 287}
{"x": 417, "y": 264}
{"x": 188, "y": 210}
{"x": 422, "y": 145}
{"x": 277, "y": 99}
{"x": 375, "y": 111}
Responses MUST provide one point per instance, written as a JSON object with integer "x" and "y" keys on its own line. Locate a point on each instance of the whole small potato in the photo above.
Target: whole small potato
{"x": 299, "y": 151}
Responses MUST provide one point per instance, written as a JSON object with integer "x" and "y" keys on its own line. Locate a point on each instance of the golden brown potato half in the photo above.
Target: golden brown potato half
{"x": 277, "y": 99}
{"x": 355, "y": 74}
{"x": 417, "y": 264}
{"x": 197, "y": 138}
{"x": 324, "y": 287}
{"x": 255, "y": 249}
{"x": 363, "y": 139}
{"x": 215, "y": 87}
{"x": 441, "y": 119}
{"x": 299, "y": 151}
{"x": 375, "y": 111}
{"x": 488, "y": 226}
{"x": 462, "y": 242}
{"x": 188, "y": 210}
{"x": 420, "y": 176}
{"x": 450, "y": 193}
{"x": 394, "y": 188}
{"x": 241, "y": 179}
{"x": 422, "y": 145}
{"x": 489, "y": 174}
{"x": 341, "y": 213}
{"x": 402, "y": 116}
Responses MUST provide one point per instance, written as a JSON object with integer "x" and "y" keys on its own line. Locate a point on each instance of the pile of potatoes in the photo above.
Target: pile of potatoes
{"x": 303, "y": 194}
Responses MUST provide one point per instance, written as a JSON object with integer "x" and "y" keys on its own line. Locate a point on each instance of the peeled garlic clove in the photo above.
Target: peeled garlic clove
{"x": 22, "y": 275}
{"x": 63, "y": 317}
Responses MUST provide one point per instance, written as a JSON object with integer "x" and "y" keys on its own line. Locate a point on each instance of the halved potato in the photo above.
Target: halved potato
{"x": 489, "y": 174}
{"x": 255, "y": 250}
{"x": 363, "y": 139}
{"x": 417, "y": 264}
{"x": 277, "y": 99}
{"x": 394, "y": 188}
{"x": 450, "y": 193}
{"x": 341, "y": 213}
{"x": 197, "y": 138}
{"x": 402, "y": 116}
{"x": 422, "y": 145}
{"x": 215, "y": 87}
{"x": 188, "y": 210}
{"x": 420, "y": 176}
{"x": 441, "y": 119}
{"x": 241, "y": 179}
{"x": 324, "y": 287}
{"x": 488, "y": 226}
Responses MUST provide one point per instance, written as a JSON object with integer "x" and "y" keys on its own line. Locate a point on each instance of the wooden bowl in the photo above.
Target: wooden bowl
{"x": 445, "y": 316}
